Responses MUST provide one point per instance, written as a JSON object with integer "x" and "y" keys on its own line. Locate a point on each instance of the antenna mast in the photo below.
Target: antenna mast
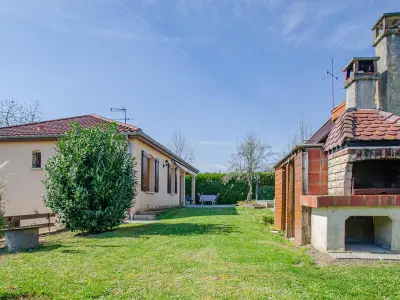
{"x": 123, "y": 109}
{"x": 333, "y": 76}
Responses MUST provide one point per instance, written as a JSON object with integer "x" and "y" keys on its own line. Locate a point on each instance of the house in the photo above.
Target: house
{"x": 161, "y": 173}
{"x": 340, "y": 190}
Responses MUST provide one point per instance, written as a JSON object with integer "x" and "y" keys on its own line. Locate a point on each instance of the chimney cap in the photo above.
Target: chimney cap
{"x": 379, "y": 23}
{"x": 359, "y": 58}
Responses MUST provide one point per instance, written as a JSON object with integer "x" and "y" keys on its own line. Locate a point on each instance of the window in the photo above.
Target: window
{"x": 150, "y": 173}
{"x": 145, "y": 171}
{"x": 169, "y": 179}
{"x": 36, "y": 159}
{"x": 156, "y": 175}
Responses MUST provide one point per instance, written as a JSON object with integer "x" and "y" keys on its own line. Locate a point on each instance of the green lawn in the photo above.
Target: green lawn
{"x": 189, "y": 254}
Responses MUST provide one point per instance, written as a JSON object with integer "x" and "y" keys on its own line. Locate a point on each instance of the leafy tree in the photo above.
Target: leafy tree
{"x": 90, "y": 181}
{"x": 251, "y": 156}
{"x": 180, "y": 146}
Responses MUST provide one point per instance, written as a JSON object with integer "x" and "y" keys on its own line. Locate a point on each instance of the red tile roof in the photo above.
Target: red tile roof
{"x": 60, "y": 126}
{"x": 364, "y": 125}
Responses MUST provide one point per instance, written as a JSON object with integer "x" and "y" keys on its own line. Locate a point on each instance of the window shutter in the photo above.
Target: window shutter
{"x": 169, "y": 179}
{"x": 145, "y": 188}
{"x": 157, "y": 175}
{"x": 176, "y": 180}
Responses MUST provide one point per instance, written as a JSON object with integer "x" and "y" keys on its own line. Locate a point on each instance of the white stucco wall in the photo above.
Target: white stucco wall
{"x": 24, "y": 187}
{"x": 148, "y": 200}
{"x": 328, "y": 225}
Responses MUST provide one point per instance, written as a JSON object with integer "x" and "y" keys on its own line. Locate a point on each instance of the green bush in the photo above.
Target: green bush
{"x": 90, "y": 181}
{"x": 268, "y": 219}
{"x": 232, "y": 191}
{"x": 2, "y": 220}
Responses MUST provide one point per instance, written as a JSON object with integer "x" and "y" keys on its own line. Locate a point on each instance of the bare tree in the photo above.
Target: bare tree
{"x": 181, "y": 147}
{"x": 251, "y": 156}
{"x": 13, "y": 113}
{"x": 301, "y": 135}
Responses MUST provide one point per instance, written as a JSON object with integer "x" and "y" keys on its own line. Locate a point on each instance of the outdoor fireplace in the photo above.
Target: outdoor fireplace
{"x": 374, "y": 177}
{"x": 371, "y": 171}
{"x": 368, "y": 230}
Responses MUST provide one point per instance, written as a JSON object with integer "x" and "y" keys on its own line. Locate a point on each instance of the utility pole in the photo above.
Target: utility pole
{"x": 333, "y": 76}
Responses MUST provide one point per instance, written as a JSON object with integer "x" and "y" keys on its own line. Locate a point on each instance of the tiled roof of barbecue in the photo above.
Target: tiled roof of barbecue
{"x": 363, "y": 125}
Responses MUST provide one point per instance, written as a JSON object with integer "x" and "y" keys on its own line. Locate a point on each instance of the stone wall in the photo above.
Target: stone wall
{"x": 388, "y": 88}
{"x": 339, "y": 173}
{"x": 361, "y": 92}
{"x": 340, "y": 166}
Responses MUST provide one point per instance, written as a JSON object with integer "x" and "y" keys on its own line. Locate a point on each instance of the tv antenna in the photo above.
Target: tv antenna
{"x": 332, "y": 76}
{"x": 124, "y": 110}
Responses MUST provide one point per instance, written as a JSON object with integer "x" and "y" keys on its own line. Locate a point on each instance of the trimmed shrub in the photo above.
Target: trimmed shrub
{"x": 268, "y": 219}
{"x": 232, "y": 191}
{"x": 90, "y": 181}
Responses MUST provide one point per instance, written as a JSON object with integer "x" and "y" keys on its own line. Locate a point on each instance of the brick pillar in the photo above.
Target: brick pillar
{"x": 279, "y": 205}
{"x": 290, "y": 203}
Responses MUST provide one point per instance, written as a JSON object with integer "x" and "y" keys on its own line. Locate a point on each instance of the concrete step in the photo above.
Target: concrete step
{"x": 144, "y": 217}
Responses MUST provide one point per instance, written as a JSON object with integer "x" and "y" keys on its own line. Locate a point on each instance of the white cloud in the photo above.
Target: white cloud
{"x": 294, "y": 16}
{"x": 216, "y": 143}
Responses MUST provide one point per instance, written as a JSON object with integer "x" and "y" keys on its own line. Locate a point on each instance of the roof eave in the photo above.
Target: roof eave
{"x": 135, "y": 133}
{"x": 298, "y": 147}
{"x": 30, "y": 137}
{"x": 163, "y": 149}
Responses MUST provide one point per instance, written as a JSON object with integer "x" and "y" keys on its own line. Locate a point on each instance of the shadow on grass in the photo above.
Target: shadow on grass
{"x": 19, "y": 296}
{"x": 197, "y": 212}
{"x": 177, "y": 229}
{"x": 39, "y": 248}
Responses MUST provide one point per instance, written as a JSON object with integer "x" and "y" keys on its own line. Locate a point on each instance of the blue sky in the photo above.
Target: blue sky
{"x": 212, "y": 69}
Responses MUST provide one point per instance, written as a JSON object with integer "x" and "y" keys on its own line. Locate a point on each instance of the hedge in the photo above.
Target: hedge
{"x": 234, "y": 190}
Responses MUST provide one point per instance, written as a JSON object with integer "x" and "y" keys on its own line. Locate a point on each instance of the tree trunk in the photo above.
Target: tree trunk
{"x": 250, "y": 192}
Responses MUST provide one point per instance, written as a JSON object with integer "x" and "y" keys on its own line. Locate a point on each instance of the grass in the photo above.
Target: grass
{"x": 190, "y": 254}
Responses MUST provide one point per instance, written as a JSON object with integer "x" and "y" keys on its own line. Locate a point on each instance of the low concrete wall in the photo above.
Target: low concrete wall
{"x": 328, "y": 226}
{"x": 266, "y": 203}
{"x": 319, "y": 229}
